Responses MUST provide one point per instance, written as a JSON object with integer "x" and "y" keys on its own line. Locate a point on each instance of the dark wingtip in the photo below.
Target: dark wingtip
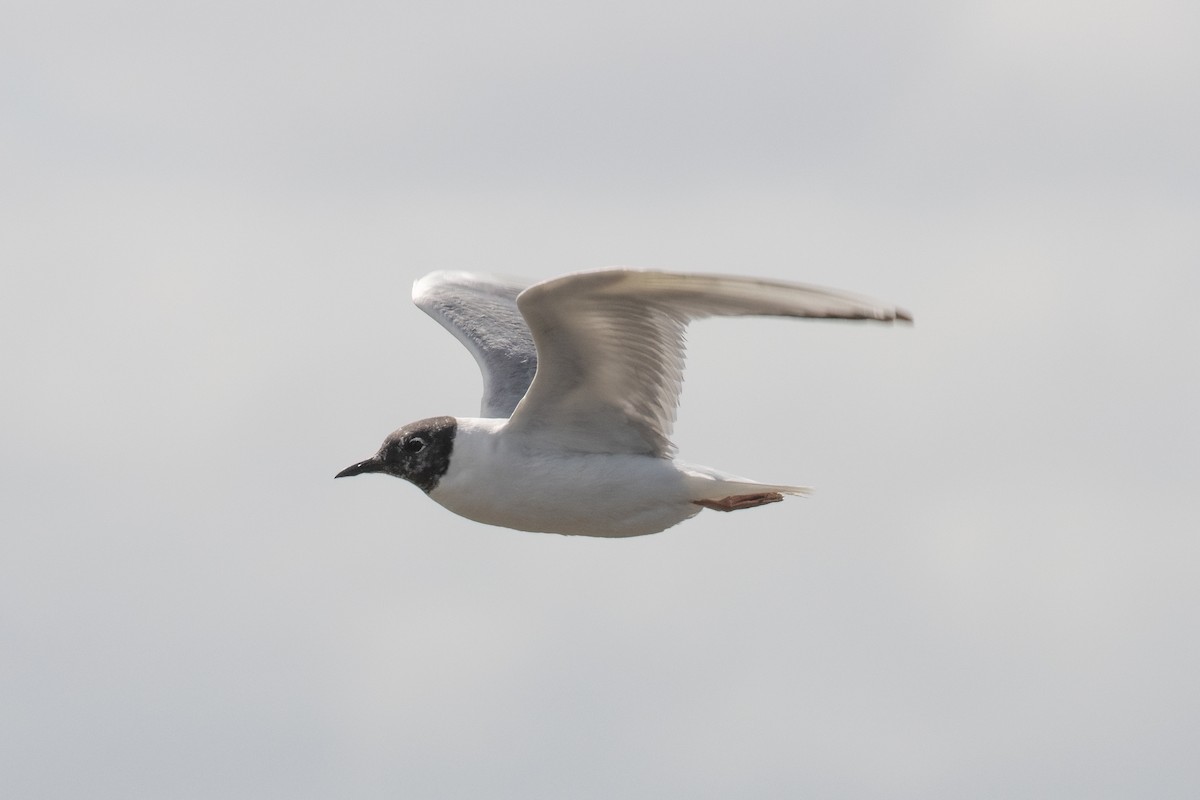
{"x": 903, "y": 316}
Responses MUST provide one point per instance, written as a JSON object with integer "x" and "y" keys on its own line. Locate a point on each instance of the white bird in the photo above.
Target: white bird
{"x": 582, "y": 376}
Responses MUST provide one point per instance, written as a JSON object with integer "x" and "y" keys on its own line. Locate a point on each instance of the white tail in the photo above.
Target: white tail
{"x": 706, "y": 483}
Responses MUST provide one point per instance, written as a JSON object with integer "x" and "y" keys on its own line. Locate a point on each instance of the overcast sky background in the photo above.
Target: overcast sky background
{"x": 211, "y": 216}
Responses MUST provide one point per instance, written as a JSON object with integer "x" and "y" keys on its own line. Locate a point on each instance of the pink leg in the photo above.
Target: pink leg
{"x": 739, "y": 501}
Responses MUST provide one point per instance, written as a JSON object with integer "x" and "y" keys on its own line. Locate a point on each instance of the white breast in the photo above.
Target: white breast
{"x": 509, "y": 480}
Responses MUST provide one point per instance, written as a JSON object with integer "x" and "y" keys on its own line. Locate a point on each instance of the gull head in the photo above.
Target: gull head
{"x": 419, "y": 452}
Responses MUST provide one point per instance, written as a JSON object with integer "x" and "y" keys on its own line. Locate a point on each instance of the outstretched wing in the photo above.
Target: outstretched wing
{"x": 610, "y": 347}
{"x": 481, "y": 312}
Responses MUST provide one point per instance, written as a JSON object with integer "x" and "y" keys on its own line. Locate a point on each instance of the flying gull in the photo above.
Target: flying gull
{"x": 582, "y": 376}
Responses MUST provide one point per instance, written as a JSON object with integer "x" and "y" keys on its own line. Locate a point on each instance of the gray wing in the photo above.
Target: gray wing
{"x": 610, "y": 345}
{"x": 481, "y": 312}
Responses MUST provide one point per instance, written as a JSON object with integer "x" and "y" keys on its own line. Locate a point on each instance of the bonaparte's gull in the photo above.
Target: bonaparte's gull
{"x": 582, "y": 375}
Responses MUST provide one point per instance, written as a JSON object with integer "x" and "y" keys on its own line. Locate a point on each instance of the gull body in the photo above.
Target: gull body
{"x": 581, "y": 380}
{"x": 502, "y": 478}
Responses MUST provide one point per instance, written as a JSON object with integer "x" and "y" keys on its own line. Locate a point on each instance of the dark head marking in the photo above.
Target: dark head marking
{"x": 419, "y": 452}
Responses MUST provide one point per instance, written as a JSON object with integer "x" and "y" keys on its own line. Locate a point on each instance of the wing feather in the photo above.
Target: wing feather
{"x": 481, "y": 312}
{"x": 610, "y": 345}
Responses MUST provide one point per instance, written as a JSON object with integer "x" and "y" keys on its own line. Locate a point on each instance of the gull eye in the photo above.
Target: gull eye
{"x": 414, "y": 445}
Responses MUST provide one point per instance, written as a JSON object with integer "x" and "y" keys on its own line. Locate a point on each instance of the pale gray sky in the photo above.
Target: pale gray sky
{"x": 212, "y": 214}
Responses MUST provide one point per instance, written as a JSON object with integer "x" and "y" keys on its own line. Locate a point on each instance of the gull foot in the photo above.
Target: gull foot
{"x": 739, "y": 501}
